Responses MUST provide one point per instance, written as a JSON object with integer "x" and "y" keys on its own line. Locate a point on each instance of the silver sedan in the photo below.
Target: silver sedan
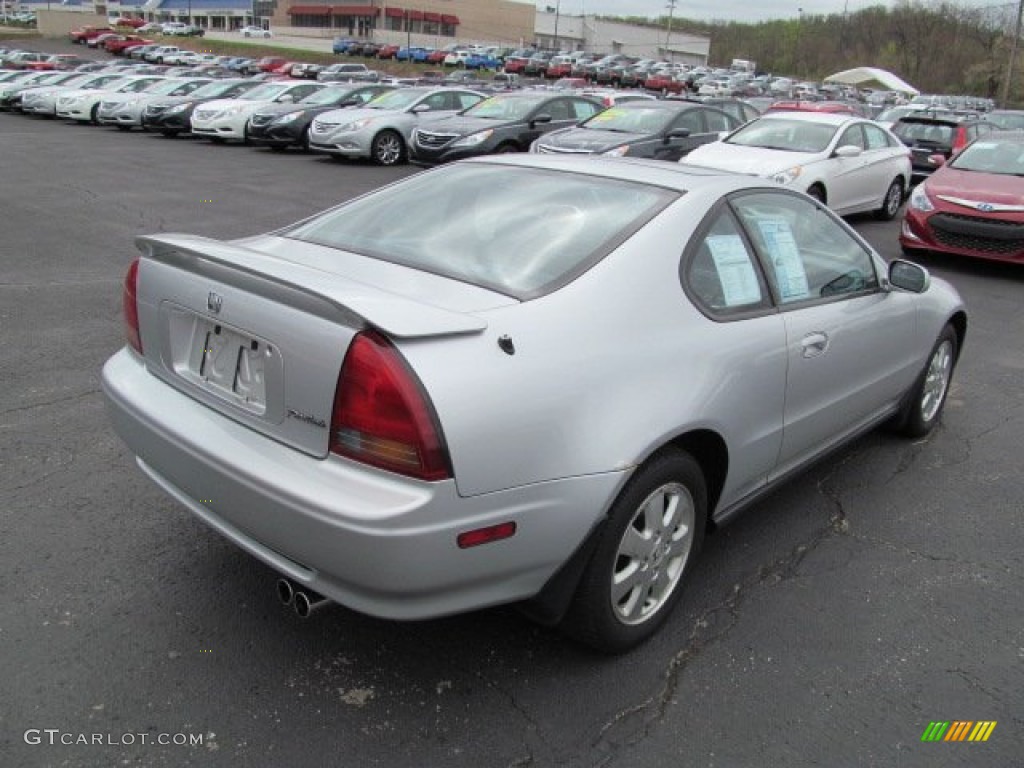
{"x": 528, "y": 379}
{"x": 381, "y": 129}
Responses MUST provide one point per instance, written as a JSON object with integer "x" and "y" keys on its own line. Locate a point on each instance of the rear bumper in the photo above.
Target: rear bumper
{"x": 369, "y": 539}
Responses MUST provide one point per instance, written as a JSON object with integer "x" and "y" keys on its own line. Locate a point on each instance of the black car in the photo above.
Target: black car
{"x": 661, "y": 130}
{"x": 505, "y": 122}
{"x": 929, "y": 135}
{"x": 172, "y": 116}
{"x": 280, "y": 126}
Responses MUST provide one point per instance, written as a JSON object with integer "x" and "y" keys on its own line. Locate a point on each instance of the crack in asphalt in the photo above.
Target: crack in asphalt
{"x": 527, "y": 759}
{"x": 78, "y": 396}
{"x": 714, "y": 624}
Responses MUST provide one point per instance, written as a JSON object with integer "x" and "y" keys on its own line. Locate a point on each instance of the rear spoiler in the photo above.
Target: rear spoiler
{"x": 395, "y": 315}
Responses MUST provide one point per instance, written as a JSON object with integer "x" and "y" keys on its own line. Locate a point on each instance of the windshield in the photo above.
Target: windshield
{"x": 398, "y": 99}
{"x": 503, "y": 108}
{"x": 542, "y": 231}
{"x": 992, "y": 156}
{"x": 928, "y": 133}
{"x": 134, "y": 86}
{"x": 326, "y": 97}
{"x": 630, "y": 120}
{"x": 169, "y": 87}
{"x": 267, "y": 92}
{"x": 214, "y": 90}
{"x": 787, "y": 135}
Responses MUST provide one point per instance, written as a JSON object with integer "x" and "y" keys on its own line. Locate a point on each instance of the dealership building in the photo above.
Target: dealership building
{"x": 431, "y": 23}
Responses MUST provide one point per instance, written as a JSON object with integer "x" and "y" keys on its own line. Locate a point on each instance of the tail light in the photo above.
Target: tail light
{"x": 960, "y": 140}
{"x": 382, "y": 415}
{"x": 130, "y": 303}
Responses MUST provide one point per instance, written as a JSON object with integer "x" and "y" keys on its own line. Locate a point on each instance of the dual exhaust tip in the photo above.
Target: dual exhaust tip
{"x": 303, "y": 600}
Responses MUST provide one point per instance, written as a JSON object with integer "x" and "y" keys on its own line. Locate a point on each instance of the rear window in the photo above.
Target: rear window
{"x": 927, "y": 132}
{"x": 520, "y": 231}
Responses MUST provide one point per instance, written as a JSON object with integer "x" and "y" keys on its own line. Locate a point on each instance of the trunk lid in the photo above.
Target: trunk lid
{"x": 258, "y": 329}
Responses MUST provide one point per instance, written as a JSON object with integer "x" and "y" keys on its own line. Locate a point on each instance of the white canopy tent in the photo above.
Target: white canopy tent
{"x": 870, "y": 77}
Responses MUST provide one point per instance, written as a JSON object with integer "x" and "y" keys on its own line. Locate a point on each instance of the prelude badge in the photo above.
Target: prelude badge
{"x": 307, "y": 418}
{"x": 214, "y": 302}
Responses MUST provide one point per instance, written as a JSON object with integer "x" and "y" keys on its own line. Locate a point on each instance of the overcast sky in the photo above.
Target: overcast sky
{"x": 730, "y": 10}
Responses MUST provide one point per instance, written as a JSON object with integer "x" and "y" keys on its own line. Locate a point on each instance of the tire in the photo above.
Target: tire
{"x": 304, "y": 141}
{"x": 123, "y": 128}
{"x": 169, "y": 134}
{"x": 923, "y": 408}
{"x": 506, "y": 149}
{"x": 818, "y": 193}
{"x": 652, "y": 535}
{"x": 94, "y": 115}
{"x": 891, "y": 202}
{"x": 387, "y": 148}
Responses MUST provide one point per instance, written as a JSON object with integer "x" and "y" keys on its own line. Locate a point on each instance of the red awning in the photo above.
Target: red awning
{"x": 310, "y": 10}
{"x": 395, "y": 12}
{"x": 431, "y": 16}
{"x": 416, "y": 15}
{"x": 354, "y": 10}
{"x": 447, "y": 19}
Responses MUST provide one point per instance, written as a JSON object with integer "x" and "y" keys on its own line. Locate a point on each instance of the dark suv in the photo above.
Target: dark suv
{"x": 929, "y": 135}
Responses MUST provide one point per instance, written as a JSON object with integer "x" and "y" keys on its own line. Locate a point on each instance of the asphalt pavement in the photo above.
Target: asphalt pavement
{"x": 828, "y": 626}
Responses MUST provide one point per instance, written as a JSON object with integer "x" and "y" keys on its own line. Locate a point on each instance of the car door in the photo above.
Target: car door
{"x": 885, "y": 161}
{"x": 744, "y": 357}
{"x": 690, "y": 120}
{"x": 847, "y": 187}
{"x": 849, "y": 340}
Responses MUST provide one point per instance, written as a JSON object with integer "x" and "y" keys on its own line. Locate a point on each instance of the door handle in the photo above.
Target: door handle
{"x": 814, "y": 344}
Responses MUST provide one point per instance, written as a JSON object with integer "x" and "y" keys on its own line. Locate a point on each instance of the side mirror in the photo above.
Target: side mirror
{"x": 541, "y": 118}
{"x": 909, "y": 276}
{"x": 286, "y": 99}
{"x": 351, "y": 101}
{"x": 420, "y": 108}
{"x": 847, "y": 150}
{"x": 677, "y": 133}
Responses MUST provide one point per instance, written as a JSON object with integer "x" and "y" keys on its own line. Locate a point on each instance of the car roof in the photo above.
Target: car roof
{"x": 826, "y": 118}
{"x": 676, "y": 176}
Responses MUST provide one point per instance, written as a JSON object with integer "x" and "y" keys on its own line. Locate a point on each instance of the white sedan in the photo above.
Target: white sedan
{"x": 849, "y": 163}
{"x": 229, "y": 118}
{"x": 253, "y": 31}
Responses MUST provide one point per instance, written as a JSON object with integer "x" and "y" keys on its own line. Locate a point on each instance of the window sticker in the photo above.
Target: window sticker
{"x": 735, "y": 272}
{"x": 789, "y": 269}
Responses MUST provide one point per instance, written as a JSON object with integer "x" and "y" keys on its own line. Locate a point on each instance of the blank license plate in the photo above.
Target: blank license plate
{"x": 231, "y": 362}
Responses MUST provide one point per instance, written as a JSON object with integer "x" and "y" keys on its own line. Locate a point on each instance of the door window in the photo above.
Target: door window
{"x": 808, "y": 254}
{"x": 722, "y": 276}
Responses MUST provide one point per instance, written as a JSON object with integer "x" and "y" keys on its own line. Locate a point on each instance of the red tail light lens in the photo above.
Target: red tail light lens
{"x": 381, "y": 414}
{"x": 961, "y": 139}
{"x": 130, "y": 303}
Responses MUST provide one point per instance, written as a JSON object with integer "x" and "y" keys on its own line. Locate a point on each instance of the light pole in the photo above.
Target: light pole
{"x": 558, "y": 11}
{"x": 799, "y": 29}
{"x": 668, "y": 29}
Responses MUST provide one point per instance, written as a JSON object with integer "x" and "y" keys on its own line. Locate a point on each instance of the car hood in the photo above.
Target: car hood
{"x": 755, "y": 161}
{"x": 976, "y": 187}
{"x": 463, "y": 126}
{"x": 221, "y": 104}
{"x": 351, "y": 115}
{"x": 589, "y": 139}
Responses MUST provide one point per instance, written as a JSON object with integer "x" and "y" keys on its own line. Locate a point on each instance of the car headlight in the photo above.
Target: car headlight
{"x": 474, "y": 139}
{"x": 788, "y": 176}
{"x": 617, "y": 152}
{"x": 920, "y": 201}
{"x": 178, "y": 108}
{"x": 291, "y": 117}
{"x": 356, "y": 125}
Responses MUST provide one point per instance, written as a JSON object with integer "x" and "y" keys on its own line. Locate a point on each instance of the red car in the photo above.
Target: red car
{"x": 387, "y": 51}
{"x": 124, "y": 21}
{"x": 125, "y": 42}
{"x": 58, "y": 61}
{"x": 436, "y": 57}
{"x": 664, "y": 82}
{"x": 514, "y": 64}
{"x": 84, "y": 34}
{"x": 972, "y": 205}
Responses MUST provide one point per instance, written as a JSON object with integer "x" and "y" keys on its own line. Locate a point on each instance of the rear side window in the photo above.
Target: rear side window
{"x": 723, "y": 276}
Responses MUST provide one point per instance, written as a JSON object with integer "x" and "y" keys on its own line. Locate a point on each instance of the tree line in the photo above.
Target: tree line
{"x": 938, "y": 47}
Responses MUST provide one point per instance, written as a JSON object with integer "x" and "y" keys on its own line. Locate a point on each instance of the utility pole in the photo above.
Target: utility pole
{"x": 558, "y": 12}
{"x": 1013, "y": 55}
{"x": 668, "y": 28}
